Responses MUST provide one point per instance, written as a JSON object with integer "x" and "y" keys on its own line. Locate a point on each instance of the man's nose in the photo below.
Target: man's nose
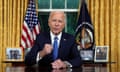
{"x": 56, "y": 23}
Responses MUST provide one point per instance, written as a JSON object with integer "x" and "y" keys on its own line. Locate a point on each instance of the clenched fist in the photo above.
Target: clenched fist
{"x": 46, "y": 50}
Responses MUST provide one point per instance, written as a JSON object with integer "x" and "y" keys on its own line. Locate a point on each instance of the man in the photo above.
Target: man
{"x": 43, "y": 49}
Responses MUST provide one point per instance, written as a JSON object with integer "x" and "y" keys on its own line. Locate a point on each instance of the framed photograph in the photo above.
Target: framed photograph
{"x": 14, "y": 54}
{"x": 101, "y": 54}
{"x": 87, "y": 55}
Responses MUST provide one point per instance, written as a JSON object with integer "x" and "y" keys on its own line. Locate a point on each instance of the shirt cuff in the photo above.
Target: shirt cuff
{"x": 38, "y": 57}
{"x": 68, "y": 64}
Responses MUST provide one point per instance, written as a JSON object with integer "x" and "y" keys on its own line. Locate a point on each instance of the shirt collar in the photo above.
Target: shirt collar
{"x": 52, "y": 35}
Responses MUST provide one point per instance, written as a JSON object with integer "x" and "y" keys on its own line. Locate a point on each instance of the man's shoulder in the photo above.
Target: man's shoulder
{"x": 43, "y": 34}
{"x": 67, "y": 35}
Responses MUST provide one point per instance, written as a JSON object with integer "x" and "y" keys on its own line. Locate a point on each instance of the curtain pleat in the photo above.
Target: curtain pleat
{"x": 1, "y": 29}
{"x": 118, "y": 39}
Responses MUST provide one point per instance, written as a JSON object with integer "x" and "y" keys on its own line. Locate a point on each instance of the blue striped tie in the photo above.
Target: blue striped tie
{"x": 55, "y": 48}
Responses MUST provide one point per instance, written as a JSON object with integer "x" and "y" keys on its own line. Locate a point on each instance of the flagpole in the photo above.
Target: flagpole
{"x": 83, "y": 28}
{"x": 82, "y": 1}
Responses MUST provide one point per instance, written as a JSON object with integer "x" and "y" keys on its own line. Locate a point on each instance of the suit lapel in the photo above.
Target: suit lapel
{"x": 63, "y": 41}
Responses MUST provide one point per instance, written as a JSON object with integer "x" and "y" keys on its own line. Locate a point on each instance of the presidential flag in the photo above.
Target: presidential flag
{"x": 84, "y": 31}
{"x": 31, "y": 26}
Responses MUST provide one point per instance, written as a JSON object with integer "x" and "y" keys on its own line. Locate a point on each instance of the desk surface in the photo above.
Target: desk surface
{"x": 87, "y": 67}
{"x": 95, "y": 68}
{"x": 34, "y": 69}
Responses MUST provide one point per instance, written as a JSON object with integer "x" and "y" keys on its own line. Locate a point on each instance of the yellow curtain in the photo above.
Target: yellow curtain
{"x": 105, "y": 16}
{"x": 11, "y": 19}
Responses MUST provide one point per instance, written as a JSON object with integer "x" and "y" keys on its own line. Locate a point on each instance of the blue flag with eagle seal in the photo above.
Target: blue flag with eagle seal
{"x": 85, "y": 30}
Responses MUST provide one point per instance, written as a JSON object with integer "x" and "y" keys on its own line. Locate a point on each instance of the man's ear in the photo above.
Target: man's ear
{"x": 48, "y": 22}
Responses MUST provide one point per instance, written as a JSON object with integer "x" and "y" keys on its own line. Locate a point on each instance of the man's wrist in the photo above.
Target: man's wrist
{"x": 38, "y": 57}
{"x": 42, "y": 53}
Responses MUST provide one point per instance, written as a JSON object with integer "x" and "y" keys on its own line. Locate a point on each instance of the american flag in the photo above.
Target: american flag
{"x": 31, "y": 26}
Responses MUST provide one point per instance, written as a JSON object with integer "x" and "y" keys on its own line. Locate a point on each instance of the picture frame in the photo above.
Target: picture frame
{"x": 14, "y": 54}
{"x": 87, "y": 55}
{"x": 101, "y": 54}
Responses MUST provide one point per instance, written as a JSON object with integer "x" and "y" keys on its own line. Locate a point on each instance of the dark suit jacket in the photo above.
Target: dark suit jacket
{"x": 67, "y": 50}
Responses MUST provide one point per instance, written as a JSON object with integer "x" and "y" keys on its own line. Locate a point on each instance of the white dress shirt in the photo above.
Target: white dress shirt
{"x": 53, "y": 36}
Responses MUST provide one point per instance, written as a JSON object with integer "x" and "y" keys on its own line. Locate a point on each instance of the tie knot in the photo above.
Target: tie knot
{"x": 56, "y": 38}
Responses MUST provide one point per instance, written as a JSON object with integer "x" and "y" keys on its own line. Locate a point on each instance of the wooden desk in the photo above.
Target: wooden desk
{"x": 44, "y": 69}
{"x": 90, "y": 64}
{"x": 84, "y": 68}
{"x": 95, "y": 64}
{"x": 103, "y": 64}
{"x": 21, "y": 63}
{"x": 14, "y": 62}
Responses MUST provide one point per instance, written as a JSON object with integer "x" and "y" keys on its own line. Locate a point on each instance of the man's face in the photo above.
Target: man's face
{"x": 56, "y": 22}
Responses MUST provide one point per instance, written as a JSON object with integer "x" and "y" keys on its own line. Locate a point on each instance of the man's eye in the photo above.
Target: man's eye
{"x": 60, "y": 21}
{"x": 53, "y": 20}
